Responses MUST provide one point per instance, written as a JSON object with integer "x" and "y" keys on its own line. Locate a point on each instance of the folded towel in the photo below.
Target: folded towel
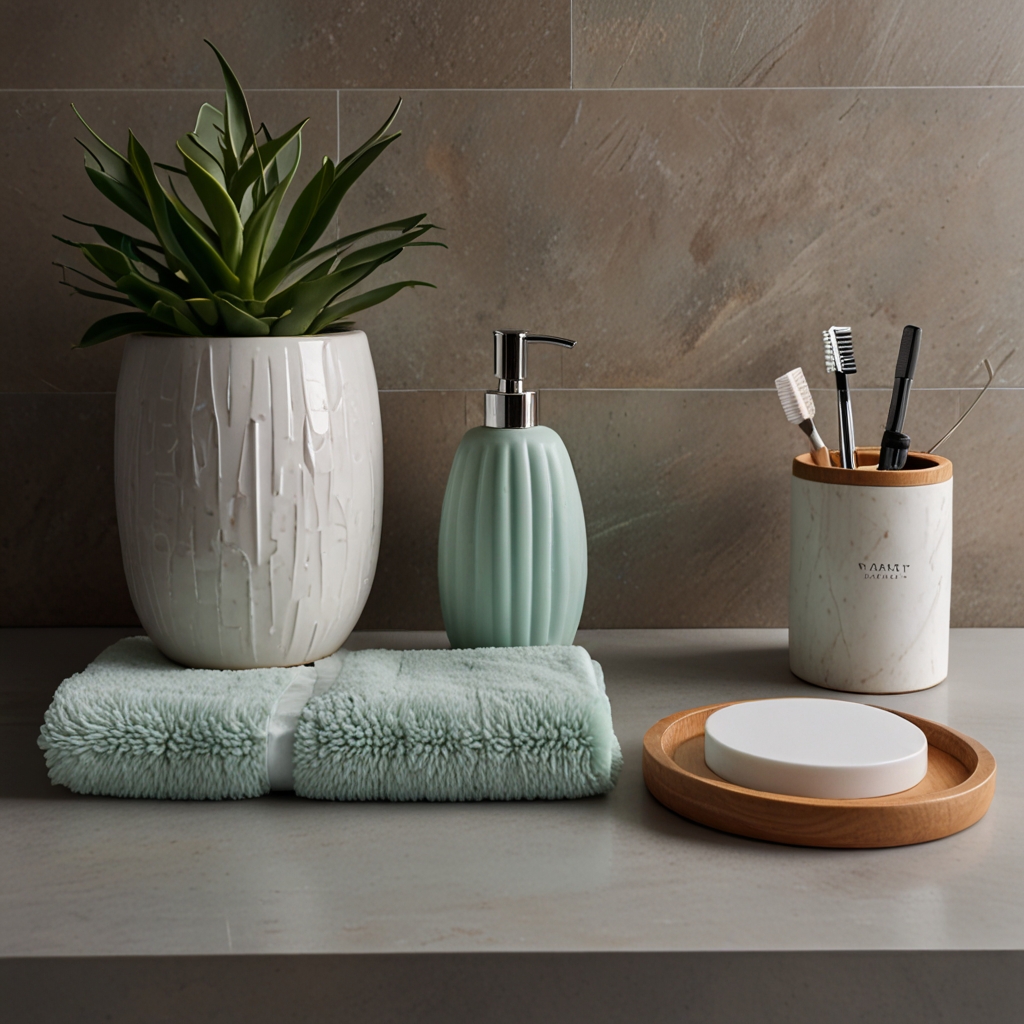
{"x": 136, "y": 724}
{"x": 500, "y": 724}
{"x": 488, "y": 724}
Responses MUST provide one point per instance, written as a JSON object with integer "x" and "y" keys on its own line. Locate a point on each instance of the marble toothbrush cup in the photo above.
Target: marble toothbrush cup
{"x": 871, "y": 555}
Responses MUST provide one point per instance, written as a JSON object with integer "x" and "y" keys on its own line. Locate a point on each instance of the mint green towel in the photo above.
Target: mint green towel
{"x": 517, "y": 723}
{"x": 136, "y": 724}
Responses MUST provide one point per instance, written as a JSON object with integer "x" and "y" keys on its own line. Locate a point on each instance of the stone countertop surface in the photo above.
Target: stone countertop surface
{"x": 88, "y": 876}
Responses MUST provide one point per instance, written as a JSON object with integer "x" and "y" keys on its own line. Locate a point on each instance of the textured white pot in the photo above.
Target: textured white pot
{"x": 871, "y": 555}
{"x": 249, "y": 493}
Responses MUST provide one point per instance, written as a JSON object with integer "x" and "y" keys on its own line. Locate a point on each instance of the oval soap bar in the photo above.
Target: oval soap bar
{"x": 813, "y": 747}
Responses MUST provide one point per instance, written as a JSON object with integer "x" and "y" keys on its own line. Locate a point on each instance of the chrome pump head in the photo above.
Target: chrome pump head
{"x": 510, "y": 405}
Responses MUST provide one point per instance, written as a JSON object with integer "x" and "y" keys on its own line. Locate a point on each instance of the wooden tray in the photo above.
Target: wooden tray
{"x": 954, "y": 794}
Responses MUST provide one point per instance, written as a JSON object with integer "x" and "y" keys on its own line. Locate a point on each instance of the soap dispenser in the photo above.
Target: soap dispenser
{"x": 512, "y": 551}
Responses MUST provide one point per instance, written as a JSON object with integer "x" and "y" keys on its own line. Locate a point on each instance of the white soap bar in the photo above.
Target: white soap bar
{"x": 802, "y": 746}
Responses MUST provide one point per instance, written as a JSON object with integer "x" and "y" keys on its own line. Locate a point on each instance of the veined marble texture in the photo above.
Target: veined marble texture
{"x": 869, "y": 585}
{"x": 248, "y": 475}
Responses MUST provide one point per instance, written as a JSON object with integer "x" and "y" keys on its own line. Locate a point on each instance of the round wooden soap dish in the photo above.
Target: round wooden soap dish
{"x": 954, "y": 794}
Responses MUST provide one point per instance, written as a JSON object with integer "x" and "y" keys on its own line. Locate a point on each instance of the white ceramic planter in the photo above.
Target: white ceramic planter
{"x": 249, "y": 493}
{"x": 871, "y": 555}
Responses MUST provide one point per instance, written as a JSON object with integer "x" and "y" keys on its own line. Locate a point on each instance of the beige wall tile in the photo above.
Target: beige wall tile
{"x": 988, "y": 521}
{"x": 687, "y": 239}
{"x": 687, "y": 502}
{"x": 703, "y": 239}
{"x": 58, "y": 532}
{"x": 719, "y": 43}
{"x": 422, "y": 431}
{"x": 686, "y": 496}
{"x": 313, "y": 44}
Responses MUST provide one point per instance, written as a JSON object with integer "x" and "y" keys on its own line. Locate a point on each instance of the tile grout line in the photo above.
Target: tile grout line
{"x": 824, "y": 389}
{"x": 541, "y": 89}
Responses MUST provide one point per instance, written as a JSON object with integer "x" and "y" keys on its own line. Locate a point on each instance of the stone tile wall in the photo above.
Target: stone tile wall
{"x": 691, "y": 190}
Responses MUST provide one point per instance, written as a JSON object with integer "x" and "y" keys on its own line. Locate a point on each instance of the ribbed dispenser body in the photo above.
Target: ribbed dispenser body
{"x": 512, "y": 551}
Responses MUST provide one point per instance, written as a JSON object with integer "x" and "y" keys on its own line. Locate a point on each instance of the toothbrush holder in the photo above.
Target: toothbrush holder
{"x": 871, "y": 552}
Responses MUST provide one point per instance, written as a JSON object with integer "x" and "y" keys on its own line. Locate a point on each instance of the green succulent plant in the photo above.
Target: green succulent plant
{"x": 226, "y": 269}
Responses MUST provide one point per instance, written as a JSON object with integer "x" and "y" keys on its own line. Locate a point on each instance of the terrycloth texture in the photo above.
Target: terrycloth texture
{"x": 135, "y": 724}
{"x": 499, "y": 724}
{"x": 496, "y": 723}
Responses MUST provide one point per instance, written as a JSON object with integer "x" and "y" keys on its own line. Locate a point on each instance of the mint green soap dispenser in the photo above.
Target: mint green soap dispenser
{"x": 512, "y": 552}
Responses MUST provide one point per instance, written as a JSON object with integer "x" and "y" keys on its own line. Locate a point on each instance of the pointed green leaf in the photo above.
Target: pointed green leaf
{"x": 371, "y": 253}
{"x": 114, "y": 238}
{"x": 145, "y": 294}
{"x": 269, "y": 280}
{"x": 204, "y": 309}
{"x": 174, "y": 318}
{"x": 168, "y": 167}
{"x": 91, "y": 160}
{"x": 265, "y": 156}
{"x": 237, "y": 122}
{"x": 81, "y": 273}
{"x": 258, "y": 228}
{"x": 320, "y": 270}
{"x": 206, "y": 263}
{"x": 161, "y": 209}
{"x": 135, "y": 249}
{"x": 302, "y": 292}
{"x": 122, "y": 197}
{"x": 272, "y": 176}
{"x": 188, "y": 145}
{"x": 375, "y": 137}
{"x": 257, "y": 231}
{"x": 111, "y": 162}
{"x": 343, "y": 181}
{"x": 105, "y": 296}
{"x": 403, "y": 226}
{"x": 120, "y": 324}
{"x": 209, "y": 128}
{"x": 347, "y": 307}
{"x": 239, "y": 323}
{"x": 220, "y": 209}
{"x": 297, "y": 222}
{"x": 190, "y": 217}
{"x": 250, "y": 306}
{"x": 310, "y": 298}
{"x": 108, "y": 261}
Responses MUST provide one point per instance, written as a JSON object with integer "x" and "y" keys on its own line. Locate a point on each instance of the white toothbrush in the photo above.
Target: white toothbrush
{"x": 839, "y": 360}
{"x": 798, "y": 405}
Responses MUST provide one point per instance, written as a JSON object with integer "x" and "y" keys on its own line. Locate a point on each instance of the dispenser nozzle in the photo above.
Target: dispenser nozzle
{"x": 510, "y": 369}
{"x": 510, "y": 356}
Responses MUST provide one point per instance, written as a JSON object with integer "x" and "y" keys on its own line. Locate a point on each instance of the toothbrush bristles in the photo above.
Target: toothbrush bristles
{"x": 795, "y": 396}
{"x": 844, "y": 342}
{"x": 830, "y": 351}
{"x": 839, "y": 350}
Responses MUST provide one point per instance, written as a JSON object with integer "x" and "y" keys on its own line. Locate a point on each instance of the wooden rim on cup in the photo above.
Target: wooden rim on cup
{"x": 921, "y": 469}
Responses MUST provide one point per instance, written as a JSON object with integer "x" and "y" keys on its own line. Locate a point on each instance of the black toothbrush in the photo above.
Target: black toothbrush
{"x": 839, "y": 360}
{"x": 895, "y": 444}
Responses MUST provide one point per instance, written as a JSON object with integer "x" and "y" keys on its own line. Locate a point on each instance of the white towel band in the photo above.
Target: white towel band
{"x": 281, "y": 727}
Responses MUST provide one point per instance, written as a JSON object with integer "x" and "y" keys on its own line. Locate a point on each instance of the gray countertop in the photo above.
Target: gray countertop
{"x": 87, "y": 876}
